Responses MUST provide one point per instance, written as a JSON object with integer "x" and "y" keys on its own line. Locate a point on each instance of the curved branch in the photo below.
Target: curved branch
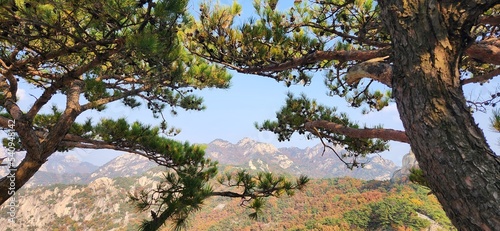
{"x": 104, "y": 101}
{"x": 44, "y": 98}
{"x": 74, "y": 141}
{"x": 487, "y": 51}
{"x": 366, "y": 133}
{"x": 482, "y": 78}
{"x": 373, "y": 69}
{"x": 228, "y": 194}
{"x": 61, "y": 127}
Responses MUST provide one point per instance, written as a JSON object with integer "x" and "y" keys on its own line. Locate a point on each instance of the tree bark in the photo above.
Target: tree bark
{"x": 363, "y": 133}
{"x": 428, "y": 39}
{"x": 38, "y": 152}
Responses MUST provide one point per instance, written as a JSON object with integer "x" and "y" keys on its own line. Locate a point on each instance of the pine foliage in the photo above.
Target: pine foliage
{"x": 93, "y": 53}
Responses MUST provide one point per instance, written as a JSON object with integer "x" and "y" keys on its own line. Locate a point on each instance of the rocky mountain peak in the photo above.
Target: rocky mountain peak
{"x": 221, "y": 143}
{"x": 246, "y": 142}
{"x": 409, "y": 162}
{"x": 125, "y": 165}
{"x": 309, "y": 161}
{"x": 247, "y": 153}
{"x": 103, "y": 182}
{"x": 264, "y": 149}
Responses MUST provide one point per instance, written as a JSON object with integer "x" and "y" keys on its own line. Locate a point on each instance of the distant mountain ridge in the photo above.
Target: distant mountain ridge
{"x": 98, "y": 200}
{"x": 66, "y": 168}
{"x": 310, "y": 161}
{"x": 60, "y": 168}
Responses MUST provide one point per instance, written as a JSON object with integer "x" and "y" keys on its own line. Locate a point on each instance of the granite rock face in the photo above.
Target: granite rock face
{"x": 409, "y": 162}
{"x": 311, "y": 161}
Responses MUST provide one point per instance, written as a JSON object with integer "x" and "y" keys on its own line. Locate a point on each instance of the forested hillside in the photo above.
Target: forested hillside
{"x": 334, "y": 204}
{"x": 326, "y": 204}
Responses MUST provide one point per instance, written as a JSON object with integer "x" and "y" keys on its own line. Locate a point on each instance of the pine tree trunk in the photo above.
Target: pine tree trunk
{"x": 38, "y": 151}
{"x": 17, "y": 178}
{"x": 428, "y": 39}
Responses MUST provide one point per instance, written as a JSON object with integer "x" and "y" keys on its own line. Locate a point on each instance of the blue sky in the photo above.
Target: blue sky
{"x": 231, "y": 113}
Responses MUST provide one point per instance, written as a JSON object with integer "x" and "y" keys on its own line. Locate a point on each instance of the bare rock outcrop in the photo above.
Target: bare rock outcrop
{"x": 409, "y": 162}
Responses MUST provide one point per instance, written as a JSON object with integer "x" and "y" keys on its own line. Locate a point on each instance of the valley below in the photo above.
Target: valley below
{"x": 68, "y": 194}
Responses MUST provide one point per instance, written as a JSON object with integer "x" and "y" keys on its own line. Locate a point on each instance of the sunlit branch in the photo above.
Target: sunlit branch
{"x": 365, "y": 133}
{"x": 9, "y": 99}
{"x": 487, "y": 51}
{"x": 73, "y": 109}
{"x": 11, "y": 85}
{"x": 373, "y": 69}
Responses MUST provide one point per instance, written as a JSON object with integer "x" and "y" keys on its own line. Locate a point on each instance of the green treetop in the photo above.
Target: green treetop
{"x": 91, "y": 54}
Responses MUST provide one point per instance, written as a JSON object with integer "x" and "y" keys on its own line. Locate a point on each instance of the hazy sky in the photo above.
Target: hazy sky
{"x": 231, "y": 113}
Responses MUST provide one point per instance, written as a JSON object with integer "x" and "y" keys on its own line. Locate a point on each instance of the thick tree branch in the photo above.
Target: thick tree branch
{"x": 366, "y": 133}
{"x": 74, "y": 141}
{"x": 59, "y": 130}
{"x": 228, "y": 194}
{"x": 373, "y": 69}
{"x": 482, "y": 78}
{"x": 23, "y": 127}
{"x": 318, "y": 56}
{"x": 44, "y": 98}
{"x": 9, "y": 88}
{"x": 487, "y": 51}
{"x": 493, "y": 20}
{"x": 4, "y": 122}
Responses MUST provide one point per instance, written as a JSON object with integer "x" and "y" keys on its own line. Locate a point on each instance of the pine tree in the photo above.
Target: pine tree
{"x": 93, "y": 53}
{"x": 417, "y": 54}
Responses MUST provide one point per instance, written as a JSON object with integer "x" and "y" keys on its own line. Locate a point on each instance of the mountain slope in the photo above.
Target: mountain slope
{"x": 59, "y": 168}
{"x": 100, "y": 201}
{"x": 66, "y": 168}
{"x": 310, "y": 161}
{"x": 124, "y": 166}
{"x": 325, "y": 204}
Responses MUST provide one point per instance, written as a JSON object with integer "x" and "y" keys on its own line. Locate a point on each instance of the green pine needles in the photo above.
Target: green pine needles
{"x": 88, "y": 54}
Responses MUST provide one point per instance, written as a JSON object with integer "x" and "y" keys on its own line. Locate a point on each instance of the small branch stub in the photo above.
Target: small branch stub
{"x": 374, "y": 69}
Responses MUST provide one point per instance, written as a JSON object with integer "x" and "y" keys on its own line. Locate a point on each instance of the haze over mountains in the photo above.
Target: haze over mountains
{"x": 66, "y": 168}
{"x": 68, "y": 194}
